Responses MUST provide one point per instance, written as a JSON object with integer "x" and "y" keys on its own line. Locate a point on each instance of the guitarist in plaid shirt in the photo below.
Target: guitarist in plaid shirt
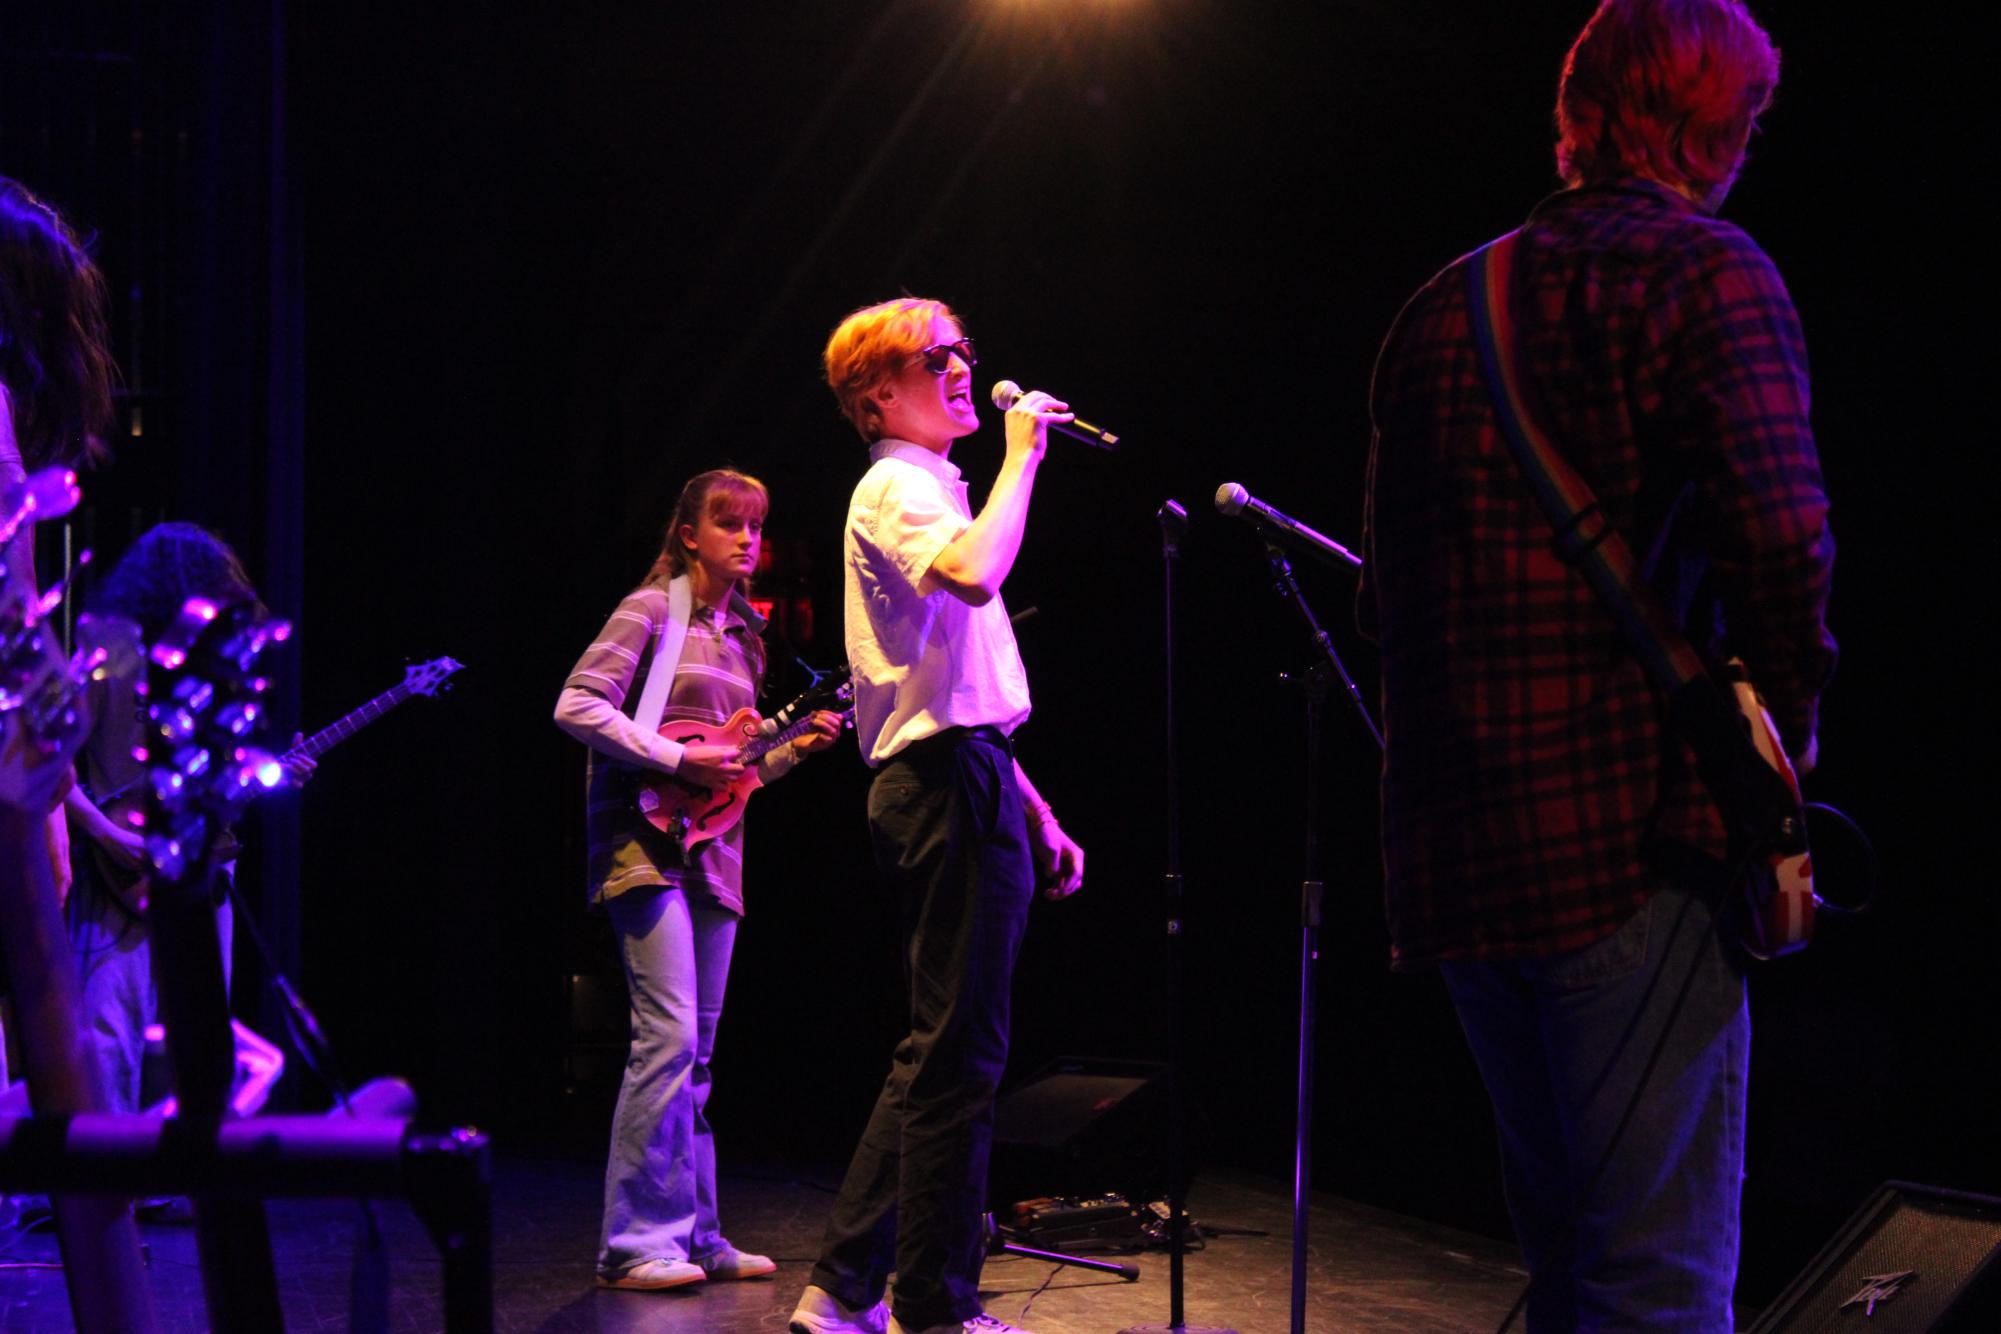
{"x": 1547, "y": 843}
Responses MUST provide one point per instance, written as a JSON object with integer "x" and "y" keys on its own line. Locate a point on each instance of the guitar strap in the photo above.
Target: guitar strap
{"x": 666, "y": 654}
{"x": 1758, "y": 804}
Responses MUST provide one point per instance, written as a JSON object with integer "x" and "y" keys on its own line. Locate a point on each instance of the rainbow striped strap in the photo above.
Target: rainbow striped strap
{"x": 1760, "y": 807}
{"x": 1585, "y": 539}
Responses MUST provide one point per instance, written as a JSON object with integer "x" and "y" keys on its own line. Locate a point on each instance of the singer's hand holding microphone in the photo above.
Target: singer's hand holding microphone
{"x": 1029, "y": 417}
{"x": 1047, "y": 412}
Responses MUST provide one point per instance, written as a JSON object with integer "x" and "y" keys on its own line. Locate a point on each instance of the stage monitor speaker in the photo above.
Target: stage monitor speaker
{"x": 1913, "y": 1260}
{"x": 1081, "y": 1126}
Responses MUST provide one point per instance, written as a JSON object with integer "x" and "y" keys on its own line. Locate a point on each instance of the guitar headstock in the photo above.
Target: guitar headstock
{"x": 427, "y": 678}
{"x": 842, "y": 701}
{"x": 833, "y": 688}
{"x": 204, "y": 707}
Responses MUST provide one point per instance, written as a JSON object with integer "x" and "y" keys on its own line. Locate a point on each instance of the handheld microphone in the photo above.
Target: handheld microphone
{"x": 791, "y": 713}
{"x": 823, "y": 693}
{"x": 1007, "y": 391}
{"x": 1236, "y": 502}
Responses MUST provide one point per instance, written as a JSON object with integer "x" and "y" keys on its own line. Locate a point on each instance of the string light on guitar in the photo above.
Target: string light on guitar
{"x": 49, "y": 494}
{"x": 241, "y": 718}
{"x": 204, "y": 703}
{"x": 36, "y": 683}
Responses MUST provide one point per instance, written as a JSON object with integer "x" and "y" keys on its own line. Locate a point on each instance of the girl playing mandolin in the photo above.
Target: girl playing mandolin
{"x": 682, "y": 647}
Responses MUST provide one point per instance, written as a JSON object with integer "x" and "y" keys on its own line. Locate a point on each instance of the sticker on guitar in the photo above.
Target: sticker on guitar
{"x": 1779, "y": 899}
{"x": 691, "y": 813}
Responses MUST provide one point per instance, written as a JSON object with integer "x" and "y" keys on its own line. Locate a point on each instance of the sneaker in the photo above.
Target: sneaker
{"x": 654, "y": 1275}
{"x": 821, "y": 1312}
{"x": 729, "y": 1262}
{"x": 979, "y": 1324}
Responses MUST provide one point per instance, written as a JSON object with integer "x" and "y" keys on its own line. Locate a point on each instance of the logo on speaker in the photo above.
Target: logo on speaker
{"x": 1878, "y": 1288}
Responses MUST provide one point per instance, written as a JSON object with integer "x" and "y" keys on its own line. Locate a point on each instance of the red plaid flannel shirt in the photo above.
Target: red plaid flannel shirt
{"x": 1530, "y": 779}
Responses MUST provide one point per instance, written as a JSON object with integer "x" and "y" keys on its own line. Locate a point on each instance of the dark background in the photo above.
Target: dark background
{"x": 432, "y": 310}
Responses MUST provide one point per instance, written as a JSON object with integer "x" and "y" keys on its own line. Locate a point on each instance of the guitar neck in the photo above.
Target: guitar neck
{"x": 332, "y": 735}
{"x": 753, "y": 751}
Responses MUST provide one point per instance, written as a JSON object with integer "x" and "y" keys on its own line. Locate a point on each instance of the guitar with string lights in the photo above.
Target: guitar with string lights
{"x": 122, "y": 805}
{"x": 692, "y": 814}
{"x": 203, "y": 711}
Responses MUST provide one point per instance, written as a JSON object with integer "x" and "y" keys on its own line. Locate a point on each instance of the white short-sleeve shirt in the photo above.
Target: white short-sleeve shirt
{"x": 923, "y": 660}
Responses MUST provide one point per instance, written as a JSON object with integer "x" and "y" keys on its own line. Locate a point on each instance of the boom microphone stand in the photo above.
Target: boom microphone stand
{"x": 1173, "y": 527}
{"x": 1314, "y": 681}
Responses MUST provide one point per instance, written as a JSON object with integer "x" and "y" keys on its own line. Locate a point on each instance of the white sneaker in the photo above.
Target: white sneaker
{"x": 820, "y": 1312}
{"x": 729, "y": 1262}
{"x": 979, "y": 1324}
{"x": 654, "y": 1275}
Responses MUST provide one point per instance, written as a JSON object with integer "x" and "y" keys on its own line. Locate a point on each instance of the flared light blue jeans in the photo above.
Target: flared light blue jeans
{"x": 660, "y": 1179}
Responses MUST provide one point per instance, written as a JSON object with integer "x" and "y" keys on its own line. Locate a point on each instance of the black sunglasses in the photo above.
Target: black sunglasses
{"x": 938, "y": 356}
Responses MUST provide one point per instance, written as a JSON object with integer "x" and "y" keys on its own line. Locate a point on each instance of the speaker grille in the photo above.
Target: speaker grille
{"x": 1947, "y": 1241}
{"x": 1081, "y": 1126}
{"x": 1053, "y": 1111}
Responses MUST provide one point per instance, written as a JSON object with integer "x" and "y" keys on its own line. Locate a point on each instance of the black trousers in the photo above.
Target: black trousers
{"x": 951, "y": 841}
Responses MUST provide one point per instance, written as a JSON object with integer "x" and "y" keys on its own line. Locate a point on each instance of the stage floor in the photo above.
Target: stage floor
{"x": 1368, "y": 1270}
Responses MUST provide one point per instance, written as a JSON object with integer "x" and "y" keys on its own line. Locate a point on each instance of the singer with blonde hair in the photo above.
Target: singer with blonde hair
{"x": 961, "y": 836}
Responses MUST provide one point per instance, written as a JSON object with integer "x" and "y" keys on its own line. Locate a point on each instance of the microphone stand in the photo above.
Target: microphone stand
{"x": 1314, "y": 682}
{"x": 1173, "y": 527}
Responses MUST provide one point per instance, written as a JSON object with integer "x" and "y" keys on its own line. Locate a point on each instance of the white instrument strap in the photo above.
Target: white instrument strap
{"x": 666, "y": 655}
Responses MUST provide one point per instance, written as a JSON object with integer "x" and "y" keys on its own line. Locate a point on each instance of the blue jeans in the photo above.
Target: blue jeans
{"x": 660, "y": 1179}
{"x": 951, "y": 840}
{"x": 120, "y": 995}
{"x": 1633, "y": 1228}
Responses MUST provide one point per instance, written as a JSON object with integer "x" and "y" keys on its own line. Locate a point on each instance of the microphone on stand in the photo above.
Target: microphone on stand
{"x": 1007, "y": 391}
{"x": 823, "y": 693}
{"x": 1238, "y": 503}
